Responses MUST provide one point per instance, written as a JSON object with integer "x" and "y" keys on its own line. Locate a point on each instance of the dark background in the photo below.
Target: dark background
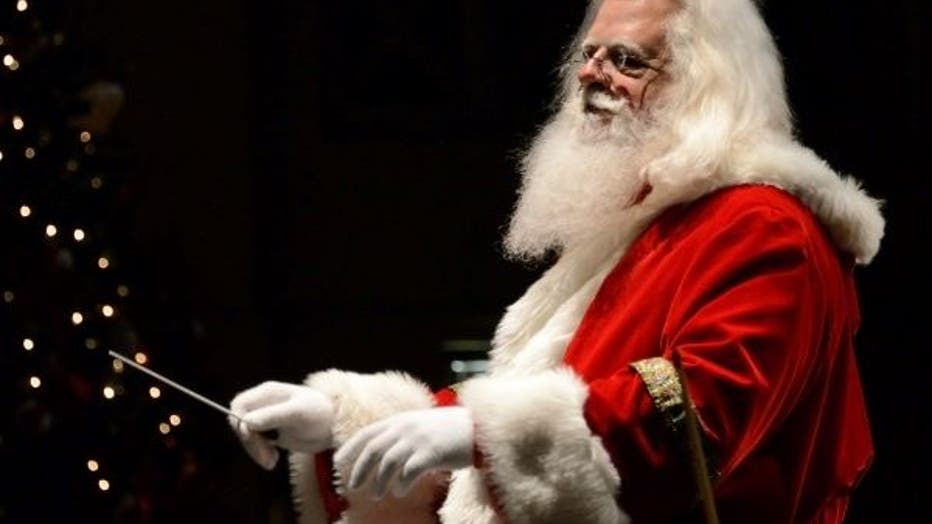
{"x": 324, "y": 184}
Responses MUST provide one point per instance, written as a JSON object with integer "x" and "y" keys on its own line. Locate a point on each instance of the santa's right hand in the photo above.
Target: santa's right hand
{"x": 301, "y": 416}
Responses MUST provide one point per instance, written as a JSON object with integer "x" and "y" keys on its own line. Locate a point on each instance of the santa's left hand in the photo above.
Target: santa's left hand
{"x": 397, "y": 450}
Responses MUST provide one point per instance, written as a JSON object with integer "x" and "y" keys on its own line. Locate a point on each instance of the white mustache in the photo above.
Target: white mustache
{"x": 603, "y": 101}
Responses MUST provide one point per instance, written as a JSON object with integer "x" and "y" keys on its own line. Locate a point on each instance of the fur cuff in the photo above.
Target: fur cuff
{"x": 360, "y": 400}
{"x": 542, "y": 462}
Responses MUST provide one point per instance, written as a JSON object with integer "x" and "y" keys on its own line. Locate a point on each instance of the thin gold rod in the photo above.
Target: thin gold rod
{"x": 700, "y": 468}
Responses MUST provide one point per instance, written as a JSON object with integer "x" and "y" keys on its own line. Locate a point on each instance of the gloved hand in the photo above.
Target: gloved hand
{"x": 302, "y": 417}
{"x": 399, "y": 449}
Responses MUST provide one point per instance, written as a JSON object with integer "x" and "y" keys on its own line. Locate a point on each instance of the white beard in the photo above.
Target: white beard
{"x": 580, "y": 176}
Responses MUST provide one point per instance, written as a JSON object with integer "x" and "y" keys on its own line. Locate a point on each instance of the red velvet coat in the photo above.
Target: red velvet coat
{"x": 746, "y": 285}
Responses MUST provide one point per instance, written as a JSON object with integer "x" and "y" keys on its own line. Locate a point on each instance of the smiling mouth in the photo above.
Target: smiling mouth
{"x": 598, "y": 102}
{"x": 592, "y": 109}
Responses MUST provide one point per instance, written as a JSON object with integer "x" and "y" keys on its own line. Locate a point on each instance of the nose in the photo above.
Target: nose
{"x": 592, "y": 70}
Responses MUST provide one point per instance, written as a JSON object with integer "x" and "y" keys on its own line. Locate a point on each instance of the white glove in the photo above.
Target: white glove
{"x": 302, "y": 416}
{"x": 402, "y": 447}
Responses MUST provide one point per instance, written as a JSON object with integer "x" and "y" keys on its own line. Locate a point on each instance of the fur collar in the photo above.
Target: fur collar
{"x": 545, "y": 318}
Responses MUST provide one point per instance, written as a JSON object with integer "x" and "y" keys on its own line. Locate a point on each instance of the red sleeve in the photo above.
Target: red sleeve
{"x": 745, "y": 319}
{"x": 446, "y": 397}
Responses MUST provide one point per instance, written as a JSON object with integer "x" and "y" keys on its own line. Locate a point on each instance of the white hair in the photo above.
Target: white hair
{"x": 727, "y": 91}
{"x": 724, "y": 100}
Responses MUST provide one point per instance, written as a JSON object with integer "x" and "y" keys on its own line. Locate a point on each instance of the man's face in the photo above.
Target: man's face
{"x": 623, "y": 56}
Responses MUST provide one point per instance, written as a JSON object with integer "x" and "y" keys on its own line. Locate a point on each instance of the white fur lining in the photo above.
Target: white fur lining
{"x": 543, "y": 462}
{"x": 359, "y": 401}
{"x": 851, "y": 216}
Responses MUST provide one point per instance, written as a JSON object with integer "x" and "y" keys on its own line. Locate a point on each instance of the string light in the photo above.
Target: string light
{"x": 85, "y": 137}
{"x": 141, "y": 358}
{"x": 164, "y": 428}
{"x": 103, "y": 485}
{"x": 28, "y": 344}
{"x": 8, "y": 296}
{"x": 1, "y": 155}
{"x": 103, "y": 262}
{"x": 71, "y": 165}
{"x": 18, "y": 122}
{"x": 155, "y": 392}
{"x": 97, "y": 182}
{"x": 79, "y": 235}
{"x": 117, "y": 365}
{"x": 77, "y": 318}
{"x": 123, "y": 291}
{"x": 10, "y": 62}
{"x": 174, "y": 420}
{"x": 90, "y": 343}
{"x": 25, "y": 211}
{"x": 22, "y": 5}
{"x": 30, "y": 153}
{"x": 107, "y": 310}
{"x": 51, "y": 230}
{"x": 109, "y": 393}
{"x": 35, "y": 382}
{"x": 92, "y": 465}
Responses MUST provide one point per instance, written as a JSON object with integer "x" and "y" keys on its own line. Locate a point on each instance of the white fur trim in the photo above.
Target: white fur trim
{"x": 360, "y": 400}
{"x": 467, "y": 501}
{"x": 851, "y": 216}
{"x": 543, "y": 462}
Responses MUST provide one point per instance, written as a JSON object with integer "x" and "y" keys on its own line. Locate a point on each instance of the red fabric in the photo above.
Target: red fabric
{"x": 746, "y": 285}
{"x": 445, "y": 398}
{"x": 334, "y": 504}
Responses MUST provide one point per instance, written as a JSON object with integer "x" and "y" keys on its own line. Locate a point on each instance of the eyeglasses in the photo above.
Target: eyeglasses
{"x": 625, "y": 61}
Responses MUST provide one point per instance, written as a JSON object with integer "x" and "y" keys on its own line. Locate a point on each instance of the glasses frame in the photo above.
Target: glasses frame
{"x": 619, "y": 57}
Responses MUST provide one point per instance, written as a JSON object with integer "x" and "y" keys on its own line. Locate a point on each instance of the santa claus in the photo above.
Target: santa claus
{"x": 690, "y": 226}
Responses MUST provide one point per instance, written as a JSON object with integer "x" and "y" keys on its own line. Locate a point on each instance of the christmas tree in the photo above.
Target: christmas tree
{"x": 82, "y": 437}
